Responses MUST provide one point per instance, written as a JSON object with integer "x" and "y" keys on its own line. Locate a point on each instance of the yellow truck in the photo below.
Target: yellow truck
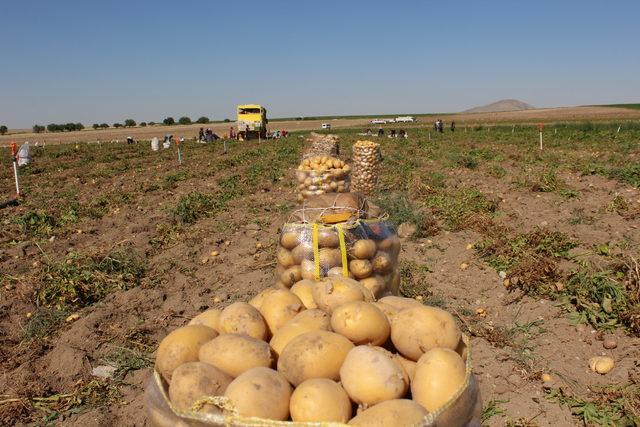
{"x": 251, "y": 121}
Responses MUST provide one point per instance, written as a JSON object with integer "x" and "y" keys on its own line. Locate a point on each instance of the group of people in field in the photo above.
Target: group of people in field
{"x": 207, "y": 135}
{"x": 438, "y": 126}
{"x": 392, "y": 133}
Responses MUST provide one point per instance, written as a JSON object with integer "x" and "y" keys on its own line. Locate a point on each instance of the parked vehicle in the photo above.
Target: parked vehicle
{"x": 326, "y": 126}
{"x": 378, "y": 121}
{"x": 405, "y": 119}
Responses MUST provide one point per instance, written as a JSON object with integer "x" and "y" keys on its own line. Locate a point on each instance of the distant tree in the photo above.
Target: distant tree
{"x": 79, "y": 126}
{"x": 52, "y": 127}
{"x": 37, "y": 129}
{"x": 151, "y": 123}
{"x": 184, "y": 120}
{"x": 143, "y": 124}
{"x": 104, "y": 125}
{"x": 203, "y": 120}
{"x": 117, "y": 125}
{"x": 95, "y": 125}
{"x": 169, "y": 121}
{"x": 226, "y": 120}
{"x": 3, "y": 129}
{"x": 129, "y": 123}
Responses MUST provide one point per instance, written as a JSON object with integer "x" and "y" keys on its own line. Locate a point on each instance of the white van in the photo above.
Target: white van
{"x": 326, "y": 126}
{"x": 405, "y": 119}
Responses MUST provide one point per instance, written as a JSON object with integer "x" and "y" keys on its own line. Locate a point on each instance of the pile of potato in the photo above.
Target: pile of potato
{"x": 329, "y": 354}
{"x": 322, "y": 145}
{"x": 371, "y": 247}
{"x": 366, "y": 161}
{"x": 322, "y": 174}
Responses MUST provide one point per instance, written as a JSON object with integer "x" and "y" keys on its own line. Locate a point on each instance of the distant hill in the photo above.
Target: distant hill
{"x": 502, "y": 105}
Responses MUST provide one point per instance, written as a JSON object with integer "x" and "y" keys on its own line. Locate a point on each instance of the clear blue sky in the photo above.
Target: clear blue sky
{"x": 95, "y": 61}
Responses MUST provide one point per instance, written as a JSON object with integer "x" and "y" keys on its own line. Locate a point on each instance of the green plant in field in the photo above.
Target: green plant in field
{"x": 170, "y": 180}
{"x": 547, "y": 183}
{"x": 413, "y": 280}
{"x": 125, "y": 359}
{"x": 458, "y": 207}
{"x": 616, "y": 405}
{"x": 99, "y": 206}
{"x": 492, "y": 409}
{"x": 194, "y": 206}
{"x": 43, "y": 322}
{"x": 401, "y": 210}
{"x": 629, "y": 174}
{"x": 36, "y": 223}
{"x": 529, "y": 259}
{"x": 497, "y": 171}
{"x": 80, "y": 280}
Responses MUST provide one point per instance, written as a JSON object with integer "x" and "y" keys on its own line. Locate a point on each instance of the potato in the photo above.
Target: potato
{"x": 360, "y": 268}
{"x": 363, "y": 249}
{"x": 338, "y": 271}
{"x": 391, "y": 245}
{"x": 400, "y": 303}
{"x": 370, "y": 375}
{"x": 181, "y": 346}
{"x": 328, "y": 238}
{"x": 387, "y": 309}
{"x": 382, "y": 263}
{"x": 234, "y": 354}
{"x": 289, "y": 239}
{"x": 315, "y": 354}
{"x": 302, "y": 251}
{"x": 291, "y": 275}
{"x": 329, "y": 258}
{"x": 391, "y": 413}
{"x": 419, "y": 329}
{"x": 210, "y": 318}
{"x": 361, "y": 322}
{"x": 439, "y": 374}
{"x": 192, "y": 381}
{"x": 280, "y": 307}
{"x": 375, "y": 284}
{"x": 320, "y": 399}
{"x": 242, "y": 318}
{"x": 308, "y": 269}
{"x": 306, "y": 321}
{"x": 332, "y": 292}
{"x": 303, "y": 290}
{"x": 257, "y": 300}
{"x": 262, "y": 393}
{"x": 409, "y": 366}
{"x": 285, "y": 258}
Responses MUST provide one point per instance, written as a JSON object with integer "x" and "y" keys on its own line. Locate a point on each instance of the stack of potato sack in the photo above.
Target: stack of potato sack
{"x": 322, "y": 174}
{"x": 322, "y": 145}
{"x": 366, "y": 165}
{"x": 328, "y": 355}
{"x": 339, "y": 235}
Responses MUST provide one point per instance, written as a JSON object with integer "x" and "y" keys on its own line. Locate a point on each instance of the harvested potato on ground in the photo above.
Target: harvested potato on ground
{"x": 306, "y": 321}
{"x": 361, "y": 322}
{"x": 399, "y": 303}
{"x": 257, "y": 300}
{"x": 260, "y": 392}
{"x": 360, "y": 268}
{"x": 601, "y": 364}
{"x": 320, "y": 399}
{"x": 363, "y": 249}
{"x": 439, "y": 374}
{"x": 210, "y": 318}
{"x": 333, "y": 292}
{"x": 279, "y": 307}
{"x": 419, "y": 329}
{"x": 315, "y": 354}
{"x": 391, "y": 413}
{"x": 370, "y": 375}
{"x": 375, "y": 284}
{"x": 242, "y": 318}
{"x": 180, "y": 346}
{"x": 303, "y": 290}
{"x": 234, "y": 354}
{"x": 192, "y": 381}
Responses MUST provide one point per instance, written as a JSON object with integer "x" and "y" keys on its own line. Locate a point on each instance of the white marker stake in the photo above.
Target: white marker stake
{"x": 555, "y": 131}
{"x": 225, "y": 145}
{"x": 179, "y": 155}
{"x": 513, "y": 129}
{"x": 429, "y": 136}
{"x": 540, "y": 140}
{"x": 14, "y": 151}
{"x": 619, "y": 129}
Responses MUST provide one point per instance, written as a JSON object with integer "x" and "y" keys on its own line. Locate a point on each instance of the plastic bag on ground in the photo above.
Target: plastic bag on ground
{"x": 24, "y": 154}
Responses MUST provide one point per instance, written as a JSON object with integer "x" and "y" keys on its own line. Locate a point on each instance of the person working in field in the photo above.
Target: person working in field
{"x": 453, "y": 126}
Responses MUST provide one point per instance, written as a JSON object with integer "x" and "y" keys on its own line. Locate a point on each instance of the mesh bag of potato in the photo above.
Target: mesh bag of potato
{"x": 340, "y": 358}
{"x": 322, "y": 145}
{"x": 366, "y": 163}
{"x": 322, "y": 174}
